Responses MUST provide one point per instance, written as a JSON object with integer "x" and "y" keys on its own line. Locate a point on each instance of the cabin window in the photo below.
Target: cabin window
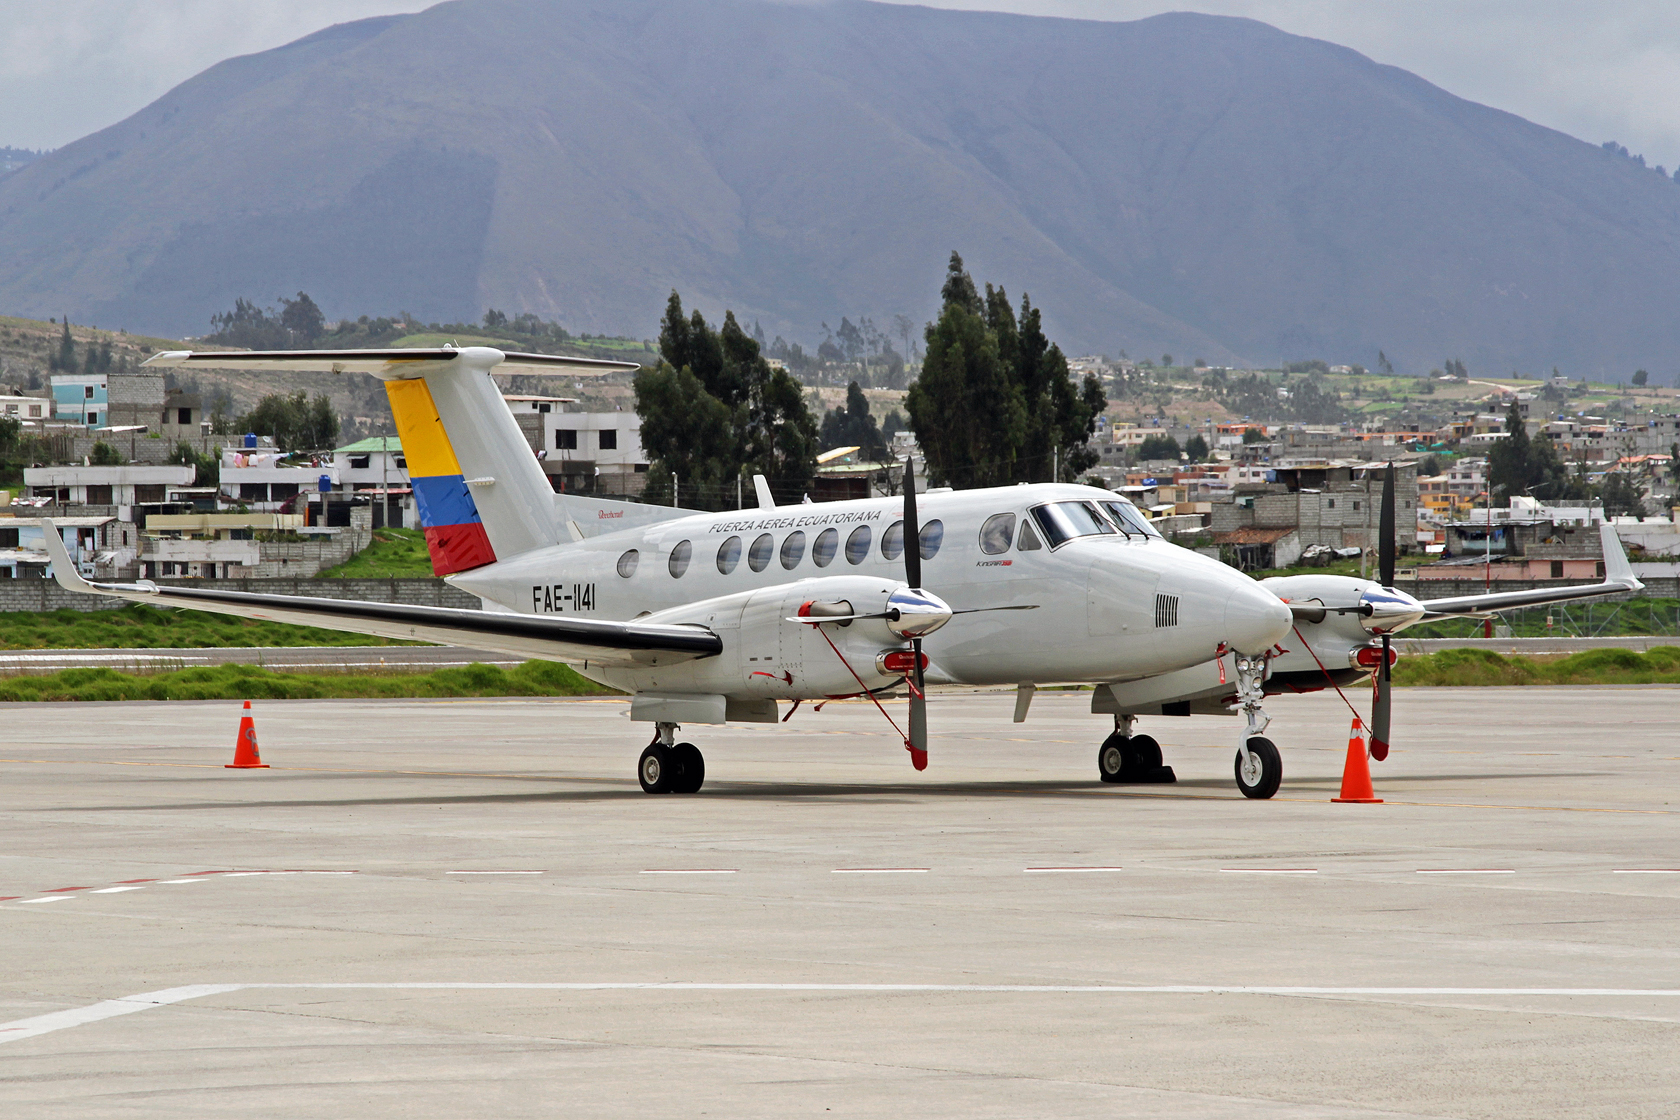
{"x": 1028, "y": 540}
{"x": 824, "y": 547}
{"x": 680, "y": 557}
{"x": 627, "y": 563}
{"x": 857, "y": 545}
{"x": 892, "y": 541}
{"x": 930, "y": 538}
{"x": 758, "y": 556}
{"x": 1061, "y": 522}
{"x": 1129, "y": 519}
{"x": 793, "y": 550}
{"x": 997, "y": 534}
{"x": 729, "y": 555}
{"x": 565, "y": 439}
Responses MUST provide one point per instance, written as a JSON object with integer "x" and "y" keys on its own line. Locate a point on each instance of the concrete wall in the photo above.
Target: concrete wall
{"x": 47, "y": 595}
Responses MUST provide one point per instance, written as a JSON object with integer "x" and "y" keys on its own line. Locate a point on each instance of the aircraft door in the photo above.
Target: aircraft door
{"x": 772, "y": 649}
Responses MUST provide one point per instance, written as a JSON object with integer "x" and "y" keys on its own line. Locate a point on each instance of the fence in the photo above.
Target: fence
{"x": 47, "y": 595}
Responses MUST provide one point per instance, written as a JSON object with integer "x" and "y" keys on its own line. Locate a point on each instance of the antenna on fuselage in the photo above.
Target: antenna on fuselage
{"x": 761, "y": 487}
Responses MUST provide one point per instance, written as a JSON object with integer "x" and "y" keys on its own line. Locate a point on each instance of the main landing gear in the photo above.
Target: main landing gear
{"x": 667, "y": 766}
{"x": 1125, "y": 758}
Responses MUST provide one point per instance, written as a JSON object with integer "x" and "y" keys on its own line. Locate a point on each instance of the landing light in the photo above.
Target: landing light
{"x": 1369, "y": 657}
{"x": 899, "y": 661}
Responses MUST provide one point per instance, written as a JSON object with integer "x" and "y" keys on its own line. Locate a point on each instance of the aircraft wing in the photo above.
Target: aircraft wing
{"x": 1618, "y": 578}
{"x": 546, "y": 637}
{"x": 387, "y": 363}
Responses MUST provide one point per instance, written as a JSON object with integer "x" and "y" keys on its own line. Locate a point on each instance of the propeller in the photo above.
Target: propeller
{"x": 918, "y": 739}
{"x": 1382, "y": 698}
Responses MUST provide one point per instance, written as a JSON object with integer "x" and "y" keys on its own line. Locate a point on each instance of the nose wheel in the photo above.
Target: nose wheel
{"x": 1260, "y": 769}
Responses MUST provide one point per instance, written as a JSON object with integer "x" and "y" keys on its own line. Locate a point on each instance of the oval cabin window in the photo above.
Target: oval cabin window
{"x": 729, "y": 555}
{"x": 758, "y": 556}
{"x": 930, "y": 538}
{"x": 793, "y": 550}
{"x": 680, "y": 557}
{"x": 857, "y": 545}
{"x": 892, "y": 541}
{"x": 997, "y": 534}
{"x": 627, "y": 563}
{"x": 824, "y": 547}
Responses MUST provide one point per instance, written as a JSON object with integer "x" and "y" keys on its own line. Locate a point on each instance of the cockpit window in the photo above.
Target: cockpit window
{"x": 1060, "y": 522}
{"x": 1128, "y": 518}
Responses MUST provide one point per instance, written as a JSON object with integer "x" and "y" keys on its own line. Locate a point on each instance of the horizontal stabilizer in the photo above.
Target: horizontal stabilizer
{"x": 384, "y": 363}
{"x": 546, "y": 637}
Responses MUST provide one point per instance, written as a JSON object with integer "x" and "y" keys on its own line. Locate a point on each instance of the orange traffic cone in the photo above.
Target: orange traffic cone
{"x": 1356, "y": 772}
{"x": 245, "y": 755}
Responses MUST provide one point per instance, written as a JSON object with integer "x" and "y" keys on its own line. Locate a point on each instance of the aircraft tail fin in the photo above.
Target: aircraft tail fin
{"x": 481, "y": 493}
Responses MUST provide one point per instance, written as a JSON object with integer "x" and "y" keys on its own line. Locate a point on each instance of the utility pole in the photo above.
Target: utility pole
{"x": 676, "y": 490}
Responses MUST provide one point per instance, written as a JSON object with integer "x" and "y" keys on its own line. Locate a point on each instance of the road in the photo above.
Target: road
{"x": 468, "y": 908}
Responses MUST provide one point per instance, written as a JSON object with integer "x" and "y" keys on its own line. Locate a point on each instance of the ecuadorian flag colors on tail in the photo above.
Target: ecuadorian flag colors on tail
{"x": 455, "y": 533}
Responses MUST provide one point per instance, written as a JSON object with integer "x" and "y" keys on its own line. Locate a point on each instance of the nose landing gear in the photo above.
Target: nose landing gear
{"x": 667, "y": 766}
{"x": 1259, "y": 766}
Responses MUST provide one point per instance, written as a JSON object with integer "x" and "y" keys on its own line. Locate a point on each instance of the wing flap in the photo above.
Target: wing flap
{"x": 549, "y": 638}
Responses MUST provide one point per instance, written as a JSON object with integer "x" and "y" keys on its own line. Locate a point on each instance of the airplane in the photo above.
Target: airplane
{"x": 714, "y": 618}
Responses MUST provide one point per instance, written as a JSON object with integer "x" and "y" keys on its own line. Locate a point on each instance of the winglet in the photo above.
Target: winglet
{"x": 1616, "y": 566}
{"x": 761, "y": 487}
{"x": 64, "y": 570}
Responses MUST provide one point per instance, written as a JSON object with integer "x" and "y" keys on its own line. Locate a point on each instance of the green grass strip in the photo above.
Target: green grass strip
{"x": 1594, "y": 666}
{"x": 137, "y": 626}
{"x": 249, "y": 682}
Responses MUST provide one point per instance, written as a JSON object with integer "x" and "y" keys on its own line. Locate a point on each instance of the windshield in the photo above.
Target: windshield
{"x": 1062, "y": 521}
{"x": 1129, "y": 519}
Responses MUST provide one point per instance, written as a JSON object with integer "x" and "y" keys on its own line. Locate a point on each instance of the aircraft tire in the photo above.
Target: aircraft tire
{"x": 1270, "y": 767}
{"x": 1143, "y": 758}
{"x": 658, "y": 770}
{"x": 1112, "y": 759}
{"x": 691, "y": 768}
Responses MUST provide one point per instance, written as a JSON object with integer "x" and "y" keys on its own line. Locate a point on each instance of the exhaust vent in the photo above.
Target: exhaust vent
{"x": 1166, "y": 611}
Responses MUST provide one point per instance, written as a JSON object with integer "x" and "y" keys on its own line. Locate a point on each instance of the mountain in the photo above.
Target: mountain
{"x": 1201, "y": 185}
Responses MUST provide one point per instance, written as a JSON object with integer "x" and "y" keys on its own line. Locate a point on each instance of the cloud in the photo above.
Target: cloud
{"x": 75, "y": 66}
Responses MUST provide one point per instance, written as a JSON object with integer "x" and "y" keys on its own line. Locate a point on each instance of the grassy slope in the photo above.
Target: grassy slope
{"x": 398, "y": 553}
{"x": 248, "y": 682}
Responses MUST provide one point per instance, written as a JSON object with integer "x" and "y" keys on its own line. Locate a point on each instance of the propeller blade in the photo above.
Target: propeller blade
{"x": 912, "y": 532}
{"x": 918, "y": 713}
{"x": 1382, "y": 700}
{"x": 1385, "y": 531}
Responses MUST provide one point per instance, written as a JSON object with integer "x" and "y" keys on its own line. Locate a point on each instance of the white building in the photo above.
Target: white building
{"x": 128, "y": 485}
{"x": 376, "y": 468}
{"x": 25, "y": 408}
{"x": 259, "y": 479}
{"x": 99, "y": 546}
{"x": 593, "y": 451}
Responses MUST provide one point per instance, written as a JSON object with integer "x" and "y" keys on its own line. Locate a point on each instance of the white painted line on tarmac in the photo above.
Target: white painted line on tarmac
{"x": 1646, "y": 871}
{"x": 49, "y": 898}
{"x": 1269, "y": 870}
{"x": 116, "y": 890}
{"x": 75, "y": 1017}
{"x": 1466, "y": 871}
{"x": 1066, "y": 870}
{"x": 881, "y": 870}
{"x": 691, "y": 871}
{"x": 183, "y": 880}
{"x": 538, "y": 871}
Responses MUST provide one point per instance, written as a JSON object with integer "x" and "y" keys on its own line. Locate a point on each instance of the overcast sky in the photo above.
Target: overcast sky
{"x": 1599, "y": 71}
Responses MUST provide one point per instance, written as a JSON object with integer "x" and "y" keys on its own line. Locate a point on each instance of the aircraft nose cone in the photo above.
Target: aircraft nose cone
{"x": 1255, "y": 619}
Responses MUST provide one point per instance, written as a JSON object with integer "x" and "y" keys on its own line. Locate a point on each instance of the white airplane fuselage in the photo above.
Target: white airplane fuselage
{"x": 1107, "y": 607}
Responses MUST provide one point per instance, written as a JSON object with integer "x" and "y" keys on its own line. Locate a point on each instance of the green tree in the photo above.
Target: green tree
{"x": 1622, "y": 496}
{"x": 1520, "y": 465}
{"x": 104, "y": 455}
{"x": 302, "y": 319}
{"x": 65, "y": 360}
{"x": 995, "y": 403}
{"x": 206, "y": 468}
{"x": 1429, "y": 466}
{"x": 295, "y": 422}
{"x": 714, "y": 409}
{"x": 853, "y": 426}
{"x": 1197, "y": 448}
{"x": 1156, "y": 447}
{"x": 1641, "y": 378}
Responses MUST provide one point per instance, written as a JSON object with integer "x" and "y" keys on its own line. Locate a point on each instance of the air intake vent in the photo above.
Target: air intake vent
{"x": 1166, "y": 611}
